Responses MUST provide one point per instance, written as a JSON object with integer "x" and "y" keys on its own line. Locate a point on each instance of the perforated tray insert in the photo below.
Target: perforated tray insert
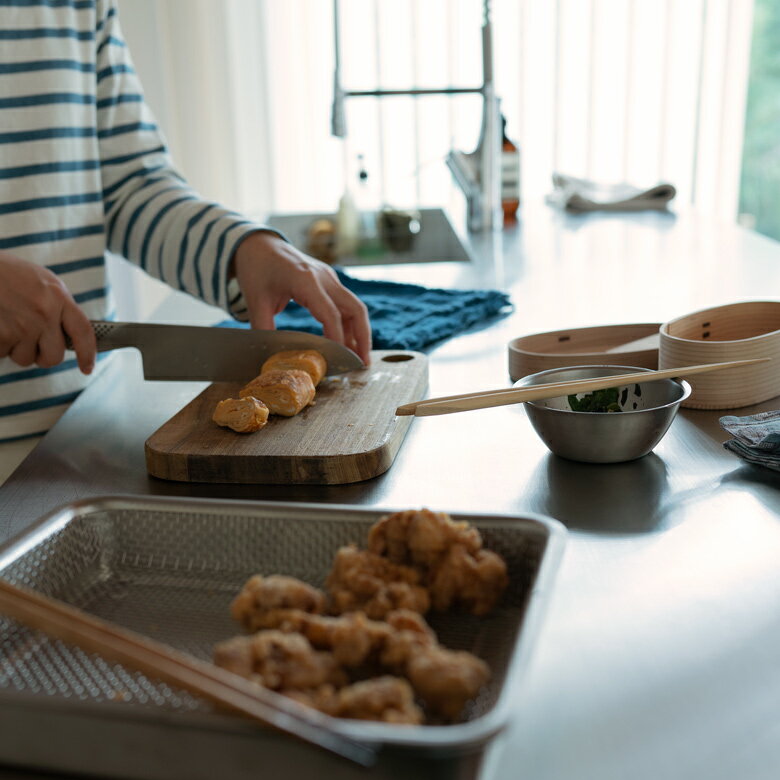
{"x": 170, "y": 573}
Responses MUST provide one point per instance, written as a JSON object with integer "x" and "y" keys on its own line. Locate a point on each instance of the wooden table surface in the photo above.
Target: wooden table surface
{"x": 659, "y": 654}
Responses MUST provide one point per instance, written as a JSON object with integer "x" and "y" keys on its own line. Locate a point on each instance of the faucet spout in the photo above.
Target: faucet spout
{"x": 465, "y": 172}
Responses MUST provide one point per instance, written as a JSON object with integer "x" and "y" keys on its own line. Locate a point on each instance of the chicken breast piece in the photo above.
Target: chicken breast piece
{"x": 308, "y": 360}
{"x": 284, "y": 392}
{"x": 243, "y": 415}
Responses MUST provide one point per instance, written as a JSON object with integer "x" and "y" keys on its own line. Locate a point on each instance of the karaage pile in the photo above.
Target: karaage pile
{"x": 364, "y": 650}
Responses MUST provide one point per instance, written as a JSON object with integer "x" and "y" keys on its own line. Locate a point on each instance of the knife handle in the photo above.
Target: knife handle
{"x": 109, "y": 335}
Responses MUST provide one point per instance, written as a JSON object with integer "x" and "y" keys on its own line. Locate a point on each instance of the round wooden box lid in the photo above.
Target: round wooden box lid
{"x": 628, "y": 345}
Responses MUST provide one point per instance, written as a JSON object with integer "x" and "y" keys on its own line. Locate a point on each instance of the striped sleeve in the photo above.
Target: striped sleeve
{"x": 153, "y": 218}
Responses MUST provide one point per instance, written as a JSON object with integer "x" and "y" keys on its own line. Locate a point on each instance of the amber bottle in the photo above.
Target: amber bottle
{"x": 510, "y": 177}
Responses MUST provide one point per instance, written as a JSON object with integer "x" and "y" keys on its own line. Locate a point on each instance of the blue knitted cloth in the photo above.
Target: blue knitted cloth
{"x": 405, "y": 316}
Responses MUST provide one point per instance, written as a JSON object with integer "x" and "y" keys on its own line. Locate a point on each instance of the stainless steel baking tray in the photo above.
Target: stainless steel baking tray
{"x": 168, "y": 569}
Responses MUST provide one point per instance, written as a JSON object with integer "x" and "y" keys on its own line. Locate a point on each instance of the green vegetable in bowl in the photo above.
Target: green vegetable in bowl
{"x": 597, "y": 401}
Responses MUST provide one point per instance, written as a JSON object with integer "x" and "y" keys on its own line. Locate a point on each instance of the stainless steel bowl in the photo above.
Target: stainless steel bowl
{"x": 647, "y": 411}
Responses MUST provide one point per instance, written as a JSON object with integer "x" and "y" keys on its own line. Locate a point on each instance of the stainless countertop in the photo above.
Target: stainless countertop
{"x": 658, "y": 657}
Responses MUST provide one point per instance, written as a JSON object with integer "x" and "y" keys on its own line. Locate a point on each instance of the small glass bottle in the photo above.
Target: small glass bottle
{"x": 510, "y": 177}
{"x": 367, "y": 206}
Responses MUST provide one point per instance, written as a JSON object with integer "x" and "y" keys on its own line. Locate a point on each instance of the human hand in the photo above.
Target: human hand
{"x": 271, "y": 272}
{"x": 36, "y": 311}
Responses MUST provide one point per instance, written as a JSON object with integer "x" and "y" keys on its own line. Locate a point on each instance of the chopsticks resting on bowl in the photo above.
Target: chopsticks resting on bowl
{"x": 515, "y": 395}
{"x": 64, "y": 622}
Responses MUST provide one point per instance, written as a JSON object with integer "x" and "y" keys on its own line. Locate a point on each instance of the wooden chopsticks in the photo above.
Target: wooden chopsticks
{"x": 514, "y": 395}
{"x": 61, "y": 621}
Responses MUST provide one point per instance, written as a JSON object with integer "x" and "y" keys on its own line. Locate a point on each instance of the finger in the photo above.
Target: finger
{"x": 24, "y": 352}
{"x": 361, "y": 331}
{"x": 51, "y": 347}
{"x": 76, "y": 324}
{"x": 350, "y": 340}
{"x": 261, "y": 315}
{"x": 357, "y": 327}
{"x": 325, "y": 311}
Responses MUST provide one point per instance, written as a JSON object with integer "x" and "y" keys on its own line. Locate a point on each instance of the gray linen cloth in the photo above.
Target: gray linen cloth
{"x": 756, "y": 438}
{"x": 584, "y": 195}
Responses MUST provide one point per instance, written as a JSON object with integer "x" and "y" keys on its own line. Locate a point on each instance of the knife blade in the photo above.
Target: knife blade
{"x": 191, "y": 352}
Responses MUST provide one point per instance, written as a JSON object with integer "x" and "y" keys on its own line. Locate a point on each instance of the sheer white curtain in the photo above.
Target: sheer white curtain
{"x": 636, "y": 90}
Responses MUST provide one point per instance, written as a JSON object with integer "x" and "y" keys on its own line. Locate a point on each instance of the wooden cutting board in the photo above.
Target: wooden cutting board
{"x": 351, "y": 433}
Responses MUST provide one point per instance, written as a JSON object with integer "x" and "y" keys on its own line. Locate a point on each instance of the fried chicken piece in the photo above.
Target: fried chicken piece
{"x": 409, "y": 620}
{"x": 284, "y": 392}
{"x": 409, "y": 634}
{"x": 420, "y": 537}
{"x": 308, "y": 360}
{"x": 445, "y": 679}
{"x": 361, "y": 580}
{"x": 261, "y": 597}
{"x": 356, "y": 640}
{"x": 243, "y": 415}
{"x": 386, "y": 699}
{"x": 455, "y": 568}
{"x": 475, "y": 580}
{"x": 323, "y": 698}
{"x": 352, "y": 638}
{"x": 278, "y": 661}
{"x": 404, "y": 644}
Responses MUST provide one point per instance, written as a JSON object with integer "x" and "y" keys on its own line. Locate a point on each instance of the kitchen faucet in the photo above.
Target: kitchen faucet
{"x": 477, "y": 173}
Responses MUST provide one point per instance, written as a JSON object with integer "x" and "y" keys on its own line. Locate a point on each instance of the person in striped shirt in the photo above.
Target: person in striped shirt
{"x": 84, "y": 170}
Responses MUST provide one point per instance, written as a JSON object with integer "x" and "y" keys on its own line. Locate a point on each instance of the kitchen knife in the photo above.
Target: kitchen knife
{"x": 189, "y": 352}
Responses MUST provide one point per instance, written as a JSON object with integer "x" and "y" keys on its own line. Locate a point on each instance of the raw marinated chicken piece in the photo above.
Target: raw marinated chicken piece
{"x": 455, "y": 568}
{"x": 362, "y": 580}
{"x": 308, "y": 360}
{"x": 261, "y": 597}
{"x": 278, "y": 660}
{"x": 284, "y": 392}
{"x": 445, "y": 679}
{"x": 243, "y": 415}
{"x": 475, "y": 580}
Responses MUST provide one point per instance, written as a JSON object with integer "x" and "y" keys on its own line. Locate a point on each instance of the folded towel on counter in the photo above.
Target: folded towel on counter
{"x": 405, "y": 316}
{"x": 756, "y": 438}
{"x": 583, "y": 195}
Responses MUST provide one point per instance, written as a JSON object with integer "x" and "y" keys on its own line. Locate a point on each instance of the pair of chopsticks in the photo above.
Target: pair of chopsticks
{"x": 514, "y": 395}
{"x": 61, "y": 621}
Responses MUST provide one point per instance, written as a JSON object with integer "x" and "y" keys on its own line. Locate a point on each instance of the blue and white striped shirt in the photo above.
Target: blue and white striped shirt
{"x": 84, "y": 170}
